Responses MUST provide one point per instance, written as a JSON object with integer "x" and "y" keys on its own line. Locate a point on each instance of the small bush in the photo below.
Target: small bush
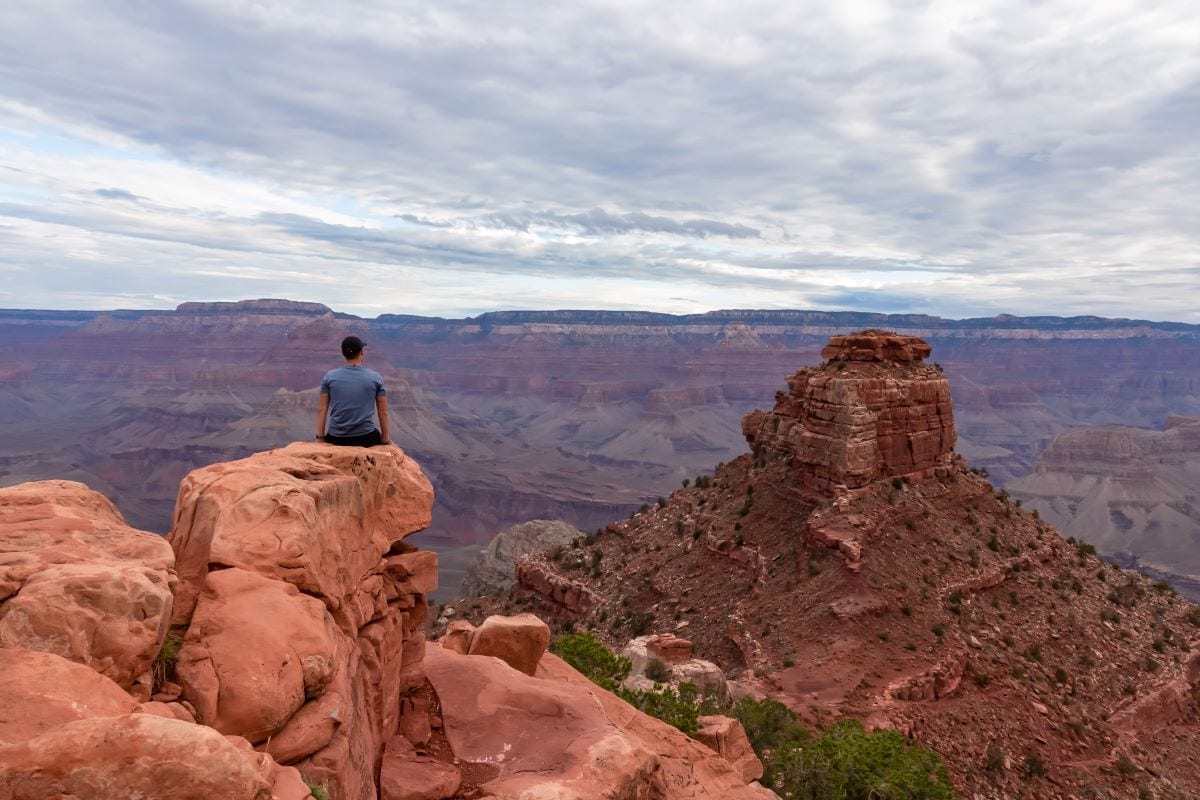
{"x": 587, "y": 654}
{"x": 1035, "y": 767}
{"x": 658, "y": 671}
{"x": 993, "y": 761}
{"x": 318, "y": 791}
{"x": 163, "y": 668}
{"x": 678, "y": 709}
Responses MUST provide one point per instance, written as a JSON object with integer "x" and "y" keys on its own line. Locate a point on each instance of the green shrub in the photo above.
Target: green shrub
{"x": 318, "y": 791}
{"x": 679, "y": 710}
{"x": 769, "y": 724}
{"x": 657, "y": 671}
{"x": 163, "y": 668}
{"x": 848, "y": 762}
{"x": 584, "y": 652}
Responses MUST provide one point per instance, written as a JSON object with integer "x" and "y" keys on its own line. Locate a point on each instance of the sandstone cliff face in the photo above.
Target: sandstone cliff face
{"x": 302, "y": 604}
{"x": 874, "y": 410}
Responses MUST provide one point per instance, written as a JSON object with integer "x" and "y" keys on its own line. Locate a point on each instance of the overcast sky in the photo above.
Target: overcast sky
{"x": 960, "y": 158}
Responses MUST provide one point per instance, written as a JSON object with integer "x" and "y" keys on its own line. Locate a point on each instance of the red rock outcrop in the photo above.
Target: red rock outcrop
{"x": 570, "y": 597}
{"x": 87, "y": 604}
{"x": 726, "y": 736}
{"x": 873, "y": 411}
{"x": 77, "y": 581}
{"x": 302, "y": 604}
{"x": 559, "y": 735}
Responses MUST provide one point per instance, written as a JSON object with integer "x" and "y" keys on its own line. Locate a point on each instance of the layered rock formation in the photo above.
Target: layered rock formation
{"x": 1133, "y": 493}
{"x": 579, "y": 416}
{"x": 494, "y": 570}
{"x": 874, "y": 410}
{"x": 899, "y": 587}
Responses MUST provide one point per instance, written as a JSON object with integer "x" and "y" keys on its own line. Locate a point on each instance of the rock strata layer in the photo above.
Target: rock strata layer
{"x": 874, "y": 410}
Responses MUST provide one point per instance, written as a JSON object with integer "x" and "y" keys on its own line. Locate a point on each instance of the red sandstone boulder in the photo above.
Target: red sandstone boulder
{"x": 40, "y": 691}
{"x": 669, "y": 648}
{"x": 458, "y": 636}
{"x": 314, "y": 515}
{"x": 726, "y": 736}
{"x": 77, "y": 581}
{"x": 255, "y": 650}
{"x": 407, "y": 776}
{"x": 559, "y": 735}
{"x": 519, "y": 640}
{"x": 140, "y": 755}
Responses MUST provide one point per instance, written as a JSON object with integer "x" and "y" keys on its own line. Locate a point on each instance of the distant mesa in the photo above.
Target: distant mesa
{"x": 873, "y": 410}
{"x": 261, "y": 306}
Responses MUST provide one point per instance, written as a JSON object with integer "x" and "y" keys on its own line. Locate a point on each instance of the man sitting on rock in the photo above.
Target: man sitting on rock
{"x": 350, "y": 397}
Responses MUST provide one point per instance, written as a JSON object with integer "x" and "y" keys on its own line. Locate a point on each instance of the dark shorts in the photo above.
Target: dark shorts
{"x": 363, "y": 440}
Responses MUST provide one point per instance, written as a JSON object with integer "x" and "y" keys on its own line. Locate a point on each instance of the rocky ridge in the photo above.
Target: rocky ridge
{"x": 906, "y": 592}
{"x": 274, "y": 642}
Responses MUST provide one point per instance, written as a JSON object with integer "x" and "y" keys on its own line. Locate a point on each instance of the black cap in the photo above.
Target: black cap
{"x": 352, "y": 346}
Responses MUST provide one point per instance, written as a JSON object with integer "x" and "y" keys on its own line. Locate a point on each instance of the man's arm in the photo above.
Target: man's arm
{"x": 381, "y": 407}
{"x": 322, "y": 414}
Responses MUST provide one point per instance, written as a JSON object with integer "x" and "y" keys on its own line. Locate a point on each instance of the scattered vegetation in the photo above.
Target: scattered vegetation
{"x": 845, "y": 761}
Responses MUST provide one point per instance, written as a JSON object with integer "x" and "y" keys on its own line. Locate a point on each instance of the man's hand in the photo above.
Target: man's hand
{"x": 322, "y": 415}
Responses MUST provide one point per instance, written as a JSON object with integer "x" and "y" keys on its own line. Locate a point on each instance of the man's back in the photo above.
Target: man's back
{"x": 352, "y": 390}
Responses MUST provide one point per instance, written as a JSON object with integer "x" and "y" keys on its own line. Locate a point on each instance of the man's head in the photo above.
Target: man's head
{"x": 352, "y": 347}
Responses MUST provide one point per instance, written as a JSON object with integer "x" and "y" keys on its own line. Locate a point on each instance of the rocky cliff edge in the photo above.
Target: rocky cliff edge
{"x": 273, "y": 644}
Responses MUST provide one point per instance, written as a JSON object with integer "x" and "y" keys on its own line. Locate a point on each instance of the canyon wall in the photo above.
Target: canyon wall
{"x": 580, "y": 416}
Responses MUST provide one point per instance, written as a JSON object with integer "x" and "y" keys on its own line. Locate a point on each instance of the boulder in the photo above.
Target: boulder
{"x": 314, "y": 515}
{"x": 40, "y": 691}
{"x": 256, "y": 649}
{"x": 669, "y": 648}
{"x": 139, "y": 755}
{"x": 406, "y": 776}
{"x": 493, "y": 570}
{"x": 458, "y": 636}
{"x": 519, "y": 640}
{"x": 726, "y": 736}
{"x": 77, "y": 581}
{"x": 559, "y": 735}
{"x": 706, "y": 676}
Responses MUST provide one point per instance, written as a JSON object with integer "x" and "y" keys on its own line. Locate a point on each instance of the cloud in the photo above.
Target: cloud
{"x": 959, "y": 159}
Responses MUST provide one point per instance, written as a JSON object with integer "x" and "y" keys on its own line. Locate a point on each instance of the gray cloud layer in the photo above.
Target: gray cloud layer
{"x": 928, "y": 156}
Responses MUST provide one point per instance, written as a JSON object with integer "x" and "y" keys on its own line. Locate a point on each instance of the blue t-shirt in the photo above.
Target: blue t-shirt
{"x": 352, "y": 390}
